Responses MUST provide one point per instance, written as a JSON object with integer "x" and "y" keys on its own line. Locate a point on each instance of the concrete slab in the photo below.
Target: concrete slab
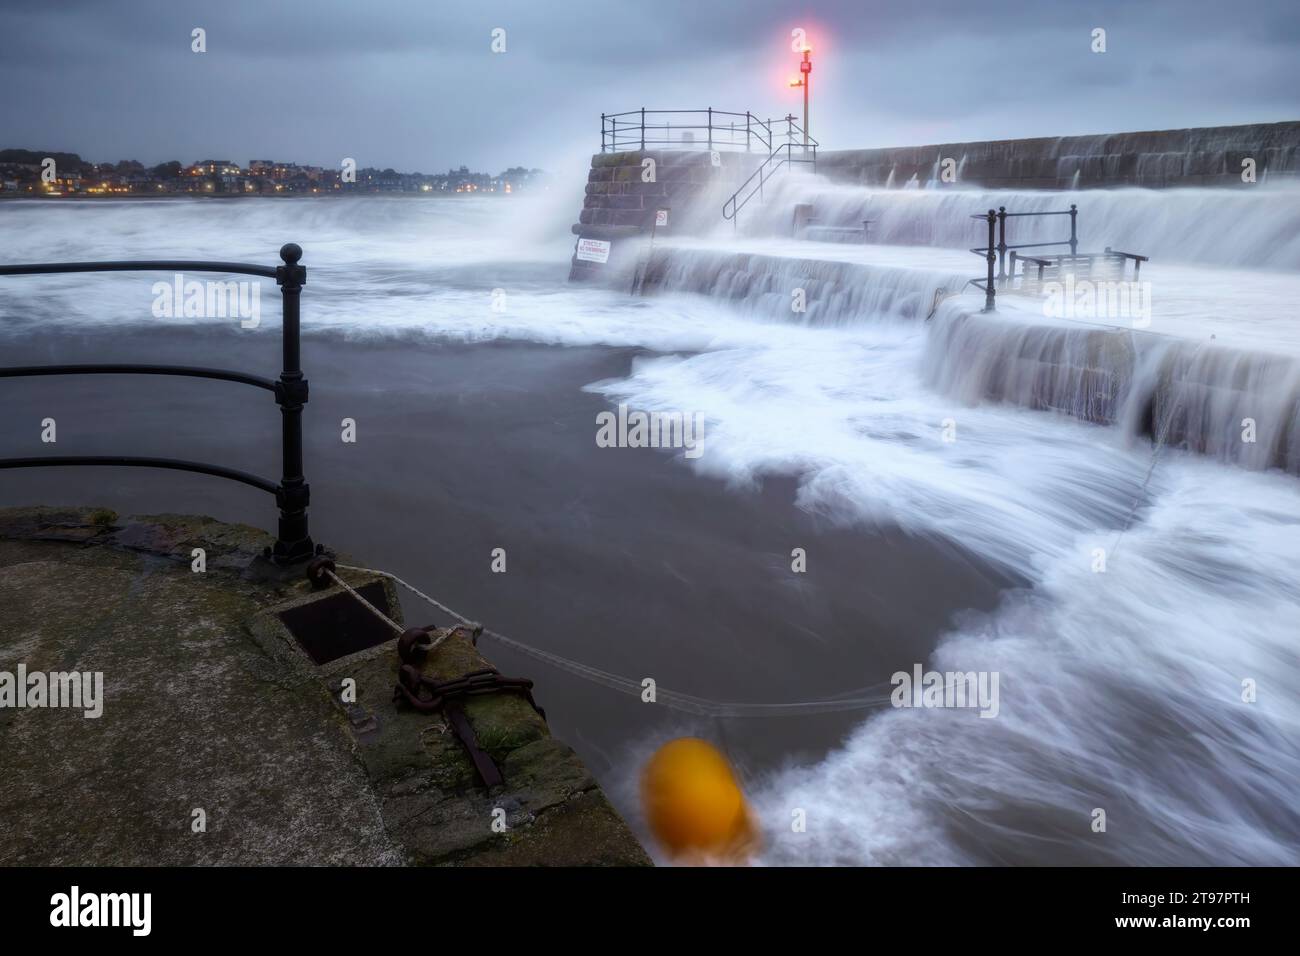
{"x": 209, "y": 706}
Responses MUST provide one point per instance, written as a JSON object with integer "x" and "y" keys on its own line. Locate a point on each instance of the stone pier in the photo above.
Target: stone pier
{"x": 221, "y": 740}
{"x": 625, "y": 190}
{"x": 1203, "y": 156}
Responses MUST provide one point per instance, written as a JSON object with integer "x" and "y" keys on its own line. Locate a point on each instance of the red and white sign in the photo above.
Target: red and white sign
{"x": 715, "y": 157}
{"x": 593, "y": 250}
{"x": 661, "y": 217}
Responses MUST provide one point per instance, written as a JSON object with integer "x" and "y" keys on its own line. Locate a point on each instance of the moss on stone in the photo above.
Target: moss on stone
{"x": 208, "y": 705}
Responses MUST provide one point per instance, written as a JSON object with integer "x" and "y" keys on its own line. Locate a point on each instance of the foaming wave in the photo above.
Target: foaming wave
{"x": 1120, "y": 690}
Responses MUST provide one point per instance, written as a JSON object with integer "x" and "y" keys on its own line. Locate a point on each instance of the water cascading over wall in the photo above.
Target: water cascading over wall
{"x": 835, "y": 293}
{"x": 1179, "y": 393}
{"x": 1253, "y": 226}
{"x": 1193, "y": 394}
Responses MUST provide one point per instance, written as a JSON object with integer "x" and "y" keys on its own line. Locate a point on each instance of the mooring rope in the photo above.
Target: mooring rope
{"x": 861, "y": 699}
{"x": 397, "y": 628}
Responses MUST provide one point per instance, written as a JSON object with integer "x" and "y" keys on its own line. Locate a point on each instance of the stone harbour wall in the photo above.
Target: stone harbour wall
{"x": 624, "y": 192}
{"x": 1203, "y": 156}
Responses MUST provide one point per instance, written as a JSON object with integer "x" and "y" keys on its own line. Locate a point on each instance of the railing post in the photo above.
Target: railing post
{"x": 293, "y": 543}
{"x": 602, "y": 132}
{"x": 1002, "y": 242}
{"x": 710, "y": 129}
{"x": 643, "y": 129}
{"x": 1074, "y": 229}
{"x": 990, "y": 294}
{"x": 747, "y": 131}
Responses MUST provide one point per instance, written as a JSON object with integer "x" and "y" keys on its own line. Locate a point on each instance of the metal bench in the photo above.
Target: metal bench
{"x": 1108, "y": 266}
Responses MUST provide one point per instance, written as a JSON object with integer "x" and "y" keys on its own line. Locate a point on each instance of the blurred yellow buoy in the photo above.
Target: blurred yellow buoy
{"x": 693, "y": 802}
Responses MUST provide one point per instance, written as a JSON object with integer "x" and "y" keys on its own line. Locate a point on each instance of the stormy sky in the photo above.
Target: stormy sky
{"x": 414, "y": 84}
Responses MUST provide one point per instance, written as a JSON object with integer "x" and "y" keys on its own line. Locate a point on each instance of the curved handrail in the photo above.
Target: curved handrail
{"x": 174, "y": 464}
{"x": 221, "y": 374}
{"x": 292, "y": 493}
{"x": 157, "y": 265}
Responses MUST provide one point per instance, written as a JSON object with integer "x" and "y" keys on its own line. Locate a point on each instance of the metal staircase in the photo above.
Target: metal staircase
{"x": 798, "y": 148}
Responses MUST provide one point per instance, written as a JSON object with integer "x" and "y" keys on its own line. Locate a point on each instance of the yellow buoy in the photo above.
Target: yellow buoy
{"x": 693, "y": 803}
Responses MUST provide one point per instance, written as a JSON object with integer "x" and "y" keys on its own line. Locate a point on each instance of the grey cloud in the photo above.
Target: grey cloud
{"x": 412, "y": 83}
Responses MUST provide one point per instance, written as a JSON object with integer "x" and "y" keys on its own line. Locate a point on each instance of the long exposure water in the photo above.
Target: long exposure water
{"x": 475, "y": 372}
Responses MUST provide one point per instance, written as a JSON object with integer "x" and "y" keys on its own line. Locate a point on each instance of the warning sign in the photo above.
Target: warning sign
{"x": 593, "y": 250}
{"x": 716, "y": 158}
{"x": 661, "y": 217}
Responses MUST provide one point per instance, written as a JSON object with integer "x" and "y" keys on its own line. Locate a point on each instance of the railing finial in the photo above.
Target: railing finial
{"x": 291, "y": 275}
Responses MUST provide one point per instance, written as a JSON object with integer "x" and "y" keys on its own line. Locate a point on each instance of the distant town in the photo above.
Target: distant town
{"x": 25, "y": 172}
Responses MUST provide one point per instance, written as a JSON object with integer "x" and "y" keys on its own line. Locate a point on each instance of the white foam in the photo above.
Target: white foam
{"x": 1120, "y": 690}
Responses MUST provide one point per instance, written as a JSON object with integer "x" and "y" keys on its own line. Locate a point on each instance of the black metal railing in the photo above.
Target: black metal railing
{"x": 293, "y": 542}
{"x": 682, "y": 129}
{"x": 694, "y": 129}
{"x": 995, "y": 253}
{"x": 1107, "y": 265}
{"x": 780, "y": 156}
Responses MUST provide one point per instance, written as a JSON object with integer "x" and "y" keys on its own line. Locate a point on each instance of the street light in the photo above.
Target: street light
{"x": 805, "y": 80}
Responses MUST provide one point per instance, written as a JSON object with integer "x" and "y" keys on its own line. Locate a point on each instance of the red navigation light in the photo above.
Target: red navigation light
{"x": 805, "y": 66}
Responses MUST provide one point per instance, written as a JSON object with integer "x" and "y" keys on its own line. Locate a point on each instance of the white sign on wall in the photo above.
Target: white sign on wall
{"x": 661, "y": 217}
{"x": 716, "y": 158}
{"x": 593, "y": 250}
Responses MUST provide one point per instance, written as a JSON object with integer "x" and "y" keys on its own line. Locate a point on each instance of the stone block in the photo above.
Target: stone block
{"x": 623, "y": 217}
